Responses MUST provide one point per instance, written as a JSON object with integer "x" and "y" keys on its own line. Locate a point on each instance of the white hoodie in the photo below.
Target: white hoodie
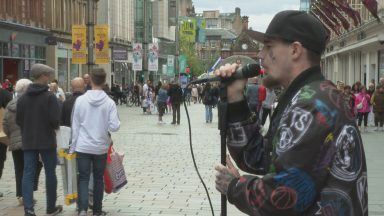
{"x": 94, "y": 114}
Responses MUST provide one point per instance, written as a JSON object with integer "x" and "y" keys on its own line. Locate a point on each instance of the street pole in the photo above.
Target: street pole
{"x": 145, "y": 42}
{"x": 177, "y": 40}
{"x": 90, "y": 26}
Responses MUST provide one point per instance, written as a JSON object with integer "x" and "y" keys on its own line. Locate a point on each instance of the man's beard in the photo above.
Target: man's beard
{"x": 270, "y": 82}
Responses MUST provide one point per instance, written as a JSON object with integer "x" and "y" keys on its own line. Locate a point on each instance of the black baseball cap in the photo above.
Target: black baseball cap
{"x": 292, "y": 25}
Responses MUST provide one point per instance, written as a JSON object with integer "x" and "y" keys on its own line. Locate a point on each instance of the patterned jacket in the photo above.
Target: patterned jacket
{"x": 312, "y": 157}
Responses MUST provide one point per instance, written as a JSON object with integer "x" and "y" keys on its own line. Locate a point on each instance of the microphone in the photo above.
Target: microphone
{"x": 248, "y": 71}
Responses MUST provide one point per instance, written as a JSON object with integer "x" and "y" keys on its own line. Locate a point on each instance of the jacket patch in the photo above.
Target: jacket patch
{"x": 348, "y": 157}
{"x": 335, "y": 202}
{"x": 294, "y": 125}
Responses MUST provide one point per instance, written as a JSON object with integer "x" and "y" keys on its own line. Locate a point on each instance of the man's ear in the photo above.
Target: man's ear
{"x": 297, "y": 50}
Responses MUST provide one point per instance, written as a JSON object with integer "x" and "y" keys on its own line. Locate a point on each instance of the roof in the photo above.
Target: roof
{"x": 224, "y": 33}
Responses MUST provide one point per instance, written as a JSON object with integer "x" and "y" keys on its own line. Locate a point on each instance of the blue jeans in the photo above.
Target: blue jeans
{"x": 49, "y": 157}
{"x": 208, "y": 113}
{"x": 84, "y": 164}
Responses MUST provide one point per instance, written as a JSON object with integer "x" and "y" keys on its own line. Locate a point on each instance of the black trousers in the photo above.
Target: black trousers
{"x": 3, "y": 157}
{"x": 379, "y": 119}
{"x": 18, "y": 162}
{"x": 360, "y": 117}
{"x": 176, "y": 111}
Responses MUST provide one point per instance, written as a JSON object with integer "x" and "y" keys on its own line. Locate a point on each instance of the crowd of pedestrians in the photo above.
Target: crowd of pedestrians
{"x": 367, "y": 105}
{"x": 32, "y": 112}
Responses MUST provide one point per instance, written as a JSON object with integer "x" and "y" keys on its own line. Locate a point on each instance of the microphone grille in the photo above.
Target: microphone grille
{"x": 251, "y": 70}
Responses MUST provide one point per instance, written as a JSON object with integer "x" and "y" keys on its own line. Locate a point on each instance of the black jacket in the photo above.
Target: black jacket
{"x": 66, "y": 112}
{"x": 318, "y": 164}
{"x": 38, "y": 115}
{"x": 5, "y": 97}
{"x": 176, "y": 94}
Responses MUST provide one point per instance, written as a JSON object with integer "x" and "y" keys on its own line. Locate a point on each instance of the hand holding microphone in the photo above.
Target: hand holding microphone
{"x": 236, "y": 88}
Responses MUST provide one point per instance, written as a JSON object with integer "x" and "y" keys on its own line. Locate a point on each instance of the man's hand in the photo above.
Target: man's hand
{"x": 225, "y": 175}
{"x": 236, "y": 88}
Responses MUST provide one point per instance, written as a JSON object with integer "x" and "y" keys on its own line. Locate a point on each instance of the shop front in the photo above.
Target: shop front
{"x": 20, "y": 48}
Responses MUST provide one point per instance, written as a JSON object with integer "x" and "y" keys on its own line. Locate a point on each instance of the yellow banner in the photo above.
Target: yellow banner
{"x": 188, "y": 30}
{"x": 101, "y": 44}
{"x": 79, "y": 46}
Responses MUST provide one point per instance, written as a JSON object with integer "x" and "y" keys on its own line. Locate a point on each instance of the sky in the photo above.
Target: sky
{"x": 260, "y": 12}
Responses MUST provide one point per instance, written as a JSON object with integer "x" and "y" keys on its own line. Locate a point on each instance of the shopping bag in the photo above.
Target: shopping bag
{"x": 108, "y": 187}
{"x": 114, "y": 172}
{"x": 69, "y": 175}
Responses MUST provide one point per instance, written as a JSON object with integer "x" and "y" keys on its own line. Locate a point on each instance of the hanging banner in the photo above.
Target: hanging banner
{"x": 188, "y": 29}
{"x": 137, "y": 54}
{"x": 164, "y": 69}
{"x": 182, "y": 63}
{"x": 171, "y": 65}
{"x": 101, "y": 44}
{"x": 201, "y": 26}
{"x": 153, "y": 57}
{"x": 79, "y": 46}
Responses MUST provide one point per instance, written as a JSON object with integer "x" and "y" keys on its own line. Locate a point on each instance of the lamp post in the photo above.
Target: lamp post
{"x": 177, "y": 40}
{"x": 90, "y": 23}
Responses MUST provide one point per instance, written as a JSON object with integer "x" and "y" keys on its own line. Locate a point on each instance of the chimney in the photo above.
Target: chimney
{"x": 245, "y": 22}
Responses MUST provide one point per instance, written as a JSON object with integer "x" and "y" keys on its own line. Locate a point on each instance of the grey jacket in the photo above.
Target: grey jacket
{"x": 11, "y": 129}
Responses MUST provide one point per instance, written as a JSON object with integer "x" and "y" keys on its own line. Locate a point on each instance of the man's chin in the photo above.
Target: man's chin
{"x": 270, "y": 82}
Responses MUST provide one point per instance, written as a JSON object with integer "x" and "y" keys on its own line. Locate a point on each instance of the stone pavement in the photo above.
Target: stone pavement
{"x": 161, "y": 177}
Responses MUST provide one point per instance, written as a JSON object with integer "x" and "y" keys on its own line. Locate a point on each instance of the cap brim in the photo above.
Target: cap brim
{"x": 258, "y": 36}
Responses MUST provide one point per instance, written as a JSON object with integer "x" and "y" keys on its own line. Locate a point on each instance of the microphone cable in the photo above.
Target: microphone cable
{"x": 193, "y": 155}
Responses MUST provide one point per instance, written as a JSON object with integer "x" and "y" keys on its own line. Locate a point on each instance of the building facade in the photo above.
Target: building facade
{"x": 61, "y": 15}
{"x": 215, "y": 19}
{"x": 358, "y": 54}
{"x": 23, "y": 37}
{"x": 119, "y": 15}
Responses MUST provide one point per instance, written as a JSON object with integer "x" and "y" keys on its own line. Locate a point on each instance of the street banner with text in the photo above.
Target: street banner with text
{"x": 79, "y": 46}
{"x": 182, "y": 63}
{"x": 171, "y": 65}
{"x": 102, "y": 44}
{"x": 153, "y": 57}
{"x": 188, "y": 29}
{"x": 137, "y": 54}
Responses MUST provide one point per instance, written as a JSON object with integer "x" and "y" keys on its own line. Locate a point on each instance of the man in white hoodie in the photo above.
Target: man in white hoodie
{"x": 94, "y": 115}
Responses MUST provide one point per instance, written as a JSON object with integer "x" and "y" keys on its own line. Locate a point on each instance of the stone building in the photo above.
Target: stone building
{"x": 357, "y": 54}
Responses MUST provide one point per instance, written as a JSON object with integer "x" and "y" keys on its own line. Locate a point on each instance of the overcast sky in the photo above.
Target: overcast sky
{"x": 260, "y": 12}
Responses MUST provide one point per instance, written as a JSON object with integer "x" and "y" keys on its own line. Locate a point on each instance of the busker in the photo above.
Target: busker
{"x": 314, "y": 161}
{"x": 94, "y": 115}
{"x": 38, "y": 115}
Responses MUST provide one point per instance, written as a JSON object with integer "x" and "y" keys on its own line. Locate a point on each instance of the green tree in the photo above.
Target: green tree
{"x": 196, "y": 65}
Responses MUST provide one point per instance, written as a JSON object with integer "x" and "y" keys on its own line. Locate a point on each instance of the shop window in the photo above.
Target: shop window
{"x": 62, "y": 68}
{"x": 381, "y": 63}
{"x": 26, "y": 51}
{"x": 5, "y": 49}
{"x": 32, "y": 51}
{"x": 15, "y": 50}
{"x": 74, "y": 70}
